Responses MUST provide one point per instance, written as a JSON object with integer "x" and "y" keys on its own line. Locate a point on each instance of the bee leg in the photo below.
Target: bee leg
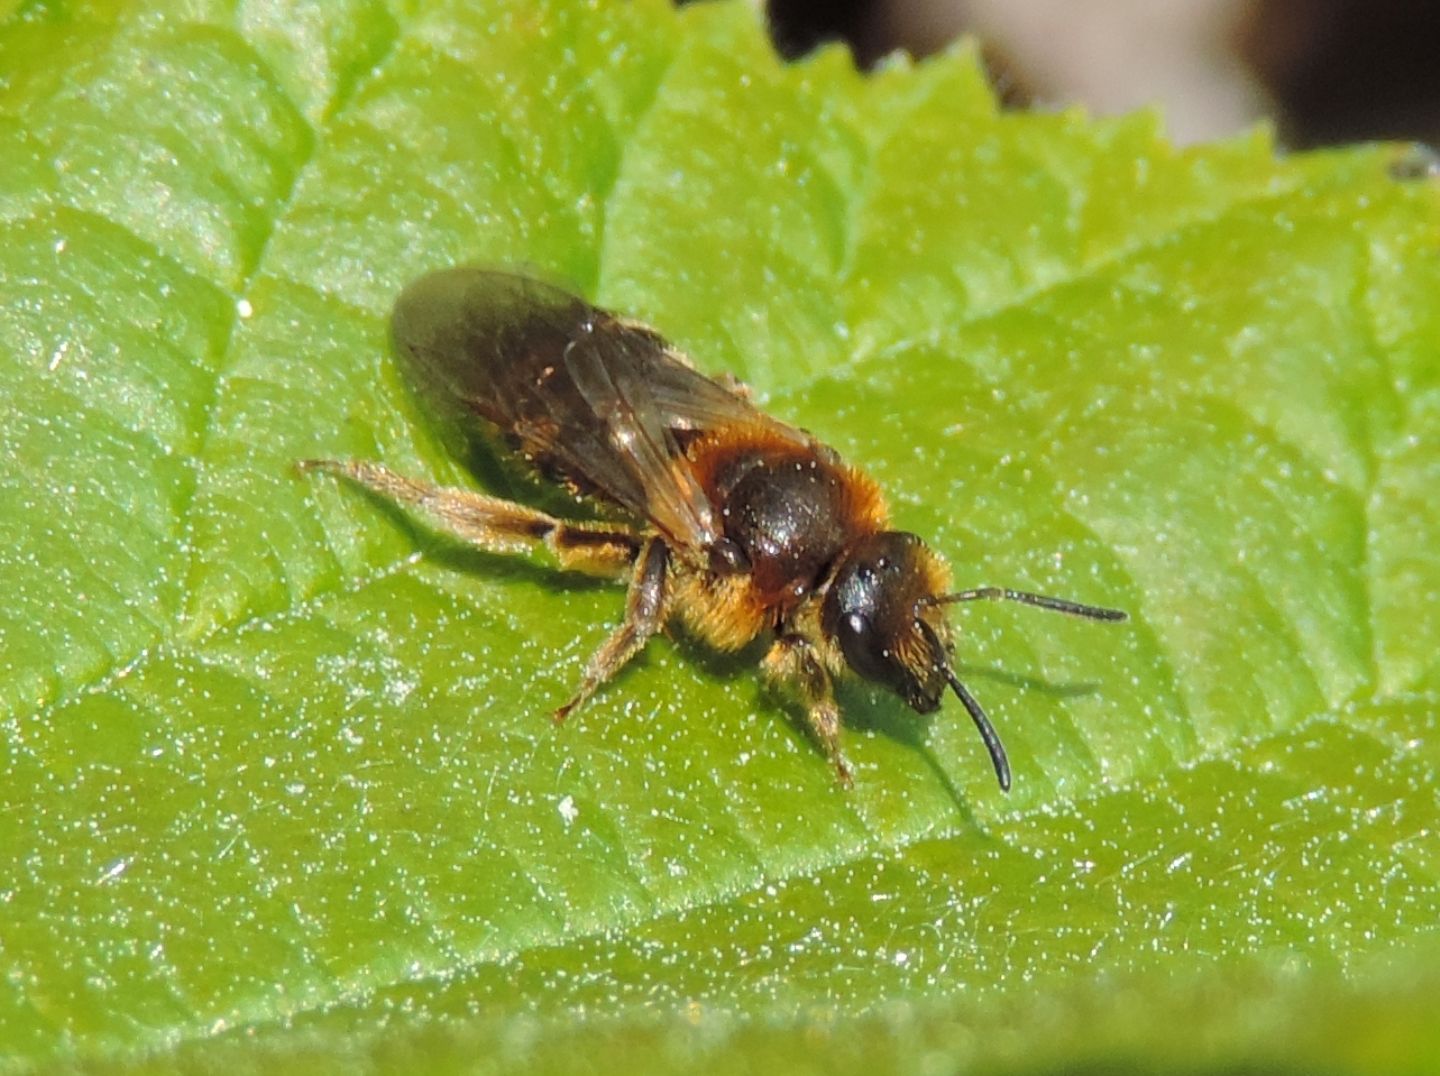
{"x": 792, "y": 660}
{"x": 645, "y": 609}
{"x": 492, "y": 524}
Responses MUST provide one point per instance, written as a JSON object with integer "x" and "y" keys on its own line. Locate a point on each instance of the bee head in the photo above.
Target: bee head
{"x": 874, "y": 609}
{"x": 883, "y": 608}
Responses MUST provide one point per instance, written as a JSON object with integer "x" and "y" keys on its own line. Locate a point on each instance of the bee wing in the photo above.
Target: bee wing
{"x": 614, "y": 367}
{"x": 690, "y": 401}
{"x": 597, "y": 400}
{"x": 648, "y": 394}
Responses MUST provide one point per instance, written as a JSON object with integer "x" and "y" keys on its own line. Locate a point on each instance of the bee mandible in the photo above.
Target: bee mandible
{"x": 720, "y": 516}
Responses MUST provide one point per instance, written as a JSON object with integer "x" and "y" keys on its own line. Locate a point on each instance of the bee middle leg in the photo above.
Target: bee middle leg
{"x": 646, "y": 606}
{"x": 492, "y": 524}
{"x": 792, "y": 660}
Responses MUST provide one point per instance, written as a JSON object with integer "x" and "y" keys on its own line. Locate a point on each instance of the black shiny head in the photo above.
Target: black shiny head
{"x": 883, "y": 608}
{"x": 873, "y": 610}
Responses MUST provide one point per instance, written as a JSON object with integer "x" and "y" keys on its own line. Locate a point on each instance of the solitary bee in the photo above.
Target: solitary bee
{"x": 725, "y": 519}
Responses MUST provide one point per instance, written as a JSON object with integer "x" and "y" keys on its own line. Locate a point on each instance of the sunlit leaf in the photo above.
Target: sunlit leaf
{"x": 279, "y": 785}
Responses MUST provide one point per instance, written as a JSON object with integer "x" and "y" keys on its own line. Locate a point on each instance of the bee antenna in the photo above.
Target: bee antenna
{"x": 972, "y": 706}
{"x": 1024, "y": 597}
{"x": 987, "y": 730}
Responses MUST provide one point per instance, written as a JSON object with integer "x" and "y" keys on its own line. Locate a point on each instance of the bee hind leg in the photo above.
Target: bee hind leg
{"x": 492, "y": 524}
{"x": 792, "y": 661}
{"x": 646, "y": 606}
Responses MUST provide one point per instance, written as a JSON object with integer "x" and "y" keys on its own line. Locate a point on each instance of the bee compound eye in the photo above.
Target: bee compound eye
{"x": 863, "y": 648}
{"x": 855, "y": 625}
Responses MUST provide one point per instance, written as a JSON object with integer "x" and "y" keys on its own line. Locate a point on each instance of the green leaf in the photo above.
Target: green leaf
{"x": 279, "y": 787}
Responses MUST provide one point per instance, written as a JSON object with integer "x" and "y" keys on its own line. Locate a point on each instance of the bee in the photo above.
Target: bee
{"x": 722, "y": 518}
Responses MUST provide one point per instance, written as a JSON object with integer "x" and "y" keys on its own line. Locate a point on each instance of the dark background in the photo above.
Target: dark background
{"x": 1324, "y": 71}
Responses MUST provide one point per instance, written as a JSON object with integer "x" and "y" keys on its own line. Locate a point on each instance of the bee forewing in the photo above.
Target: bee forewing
{"x": 589, "y": 397}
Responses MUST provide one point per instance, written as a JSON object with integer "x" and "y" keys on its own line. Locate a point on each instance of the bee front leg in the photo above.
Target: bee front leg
{"x": 646, "y": 606}
{"x": 792, "y": 661}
